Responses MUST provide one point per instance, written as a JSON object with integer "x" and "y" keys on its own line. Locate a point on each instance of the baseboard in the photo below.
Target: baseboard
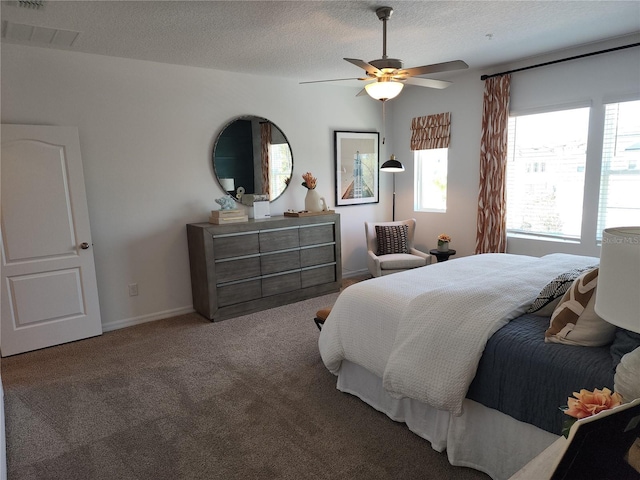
{"x": 130, "y": 322}
{"x": 354, "y": 273}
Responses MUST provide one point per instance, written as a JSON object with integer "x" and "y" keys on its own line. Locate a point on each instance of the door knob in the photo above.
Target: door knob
{"x": 84, "y": 245}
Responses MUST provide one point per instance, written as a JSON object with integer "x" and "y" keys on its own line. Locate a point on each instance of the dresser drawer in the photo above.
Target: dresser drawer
{"x": 237, "y": 269}
{"x": 240, "y": 268}
{"x": 239, "y": 292}
{"x": 314, "y": 234}
{"x": 275, "y": 284}
{"x": 279, "y": 239}
{"x": 279, "y": 262}
{"x": 318, "y": 276}
{"x": 236, "y": 245}
{"x": 317, "y": 255}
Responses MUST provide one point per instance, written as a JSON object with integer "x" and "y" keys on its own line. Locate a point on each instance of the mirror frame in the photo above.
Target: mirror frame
{"x": 219, "y": 136}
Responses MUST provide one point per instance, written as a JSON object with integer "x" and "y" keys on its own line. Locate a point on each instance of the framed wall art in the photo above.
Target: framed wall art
{"x": 357, "y": 168}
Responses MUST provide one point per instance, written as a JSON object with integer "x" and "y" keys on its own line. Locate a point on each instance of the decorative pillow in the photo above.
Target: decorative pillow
{"x": 392, "y": 239}
{"x": 549, "y": 297}
{"x": 574, "y": 321}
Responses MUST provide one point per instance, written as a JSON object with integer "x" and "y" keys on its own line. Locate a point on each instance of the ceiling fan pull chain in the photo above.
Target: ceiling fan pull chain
{"x": 383, "y": 123}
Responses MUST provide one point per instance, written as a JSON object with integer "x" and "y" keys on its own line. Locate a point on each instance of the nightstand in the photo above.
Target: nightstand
{"x": 442, "y": 256}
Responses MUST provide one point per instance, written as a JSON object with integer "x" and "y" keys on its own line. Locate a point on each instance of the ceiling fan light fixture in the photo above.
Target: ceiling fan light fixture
{"x": 384, "y": 90}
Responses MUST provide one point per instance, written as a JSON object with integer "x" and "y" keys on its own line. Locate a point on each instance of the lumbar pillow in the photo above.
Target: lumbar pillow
{"x": 392, "y": 239}
{"x": 574, "y": 321}
{"x": 549, "y": 297}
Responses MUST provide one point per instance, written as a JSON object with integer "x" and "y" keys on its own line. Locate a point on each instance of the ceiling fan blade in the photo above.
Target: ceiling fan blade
{"x": 435, "y": 68}
{"x": 361, "y": 93}
{"x": 334, "y": 80}
{"x": 427, "y": 82}
{"x": 370, "y": 69}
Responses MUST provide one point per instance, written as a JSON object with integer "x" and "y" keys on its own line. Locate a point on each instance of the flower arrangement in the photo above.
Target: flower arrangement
{"x": 586, "y": 404}
{"x": 443, "y": 238}
{"x": 309, "y": 181}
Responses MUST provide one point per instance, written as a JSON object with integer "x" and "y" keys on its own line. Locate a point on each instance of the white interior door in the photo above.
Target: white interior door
{"x": 49, "y": 291}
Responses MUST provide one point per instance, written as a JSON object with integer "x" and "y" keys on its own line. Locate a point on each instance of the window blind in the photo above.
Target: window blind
{"x": 619, "y": 203}
{"x": 546, "y": 158}
{"x": 431, "y": 131}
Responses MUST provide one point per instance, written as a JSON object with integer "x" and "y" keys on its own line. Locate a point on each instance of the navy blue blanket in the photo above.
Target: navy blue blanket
{"x": 521, "y": 375}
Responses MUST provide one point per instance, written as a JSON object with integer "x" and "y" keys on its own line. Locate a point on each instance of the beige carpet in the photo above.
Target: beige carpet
{"x": 184, "y": 398}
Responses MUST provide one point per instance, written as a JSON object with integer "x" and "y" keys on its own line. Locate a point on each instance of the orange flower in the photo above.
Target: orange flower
{"x": 589, "y": 403}
{"x": 309, "y": 181}
{"x": 443, "y": 237}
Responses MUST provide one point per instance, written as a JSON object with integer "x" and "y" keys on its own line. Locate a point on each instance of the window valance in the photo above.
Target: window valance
{"x": 431, "y": 131}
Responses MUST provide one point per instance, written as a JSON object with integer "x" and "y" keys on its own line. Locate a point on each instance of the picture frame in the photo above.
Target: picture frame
{"x": 357, "y": 168}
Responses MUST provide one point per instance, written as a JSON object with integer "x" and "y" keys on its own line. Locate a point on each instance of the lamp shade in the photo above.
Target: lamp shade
{"x": 384, "y": 90}
{"x": 228, "y": 184}
{"x": 618, "y": 292}
{"x": 392, "y": 165}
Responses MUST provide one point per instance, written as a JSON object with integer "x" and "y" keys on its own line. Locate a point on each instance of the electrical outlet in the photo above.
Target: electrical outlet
{"x": 133, "y": 289}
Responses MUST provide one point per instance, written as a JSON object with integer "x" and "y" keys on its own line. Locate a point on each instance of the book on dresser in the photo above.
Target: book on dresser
{"x": 222, "y": 217}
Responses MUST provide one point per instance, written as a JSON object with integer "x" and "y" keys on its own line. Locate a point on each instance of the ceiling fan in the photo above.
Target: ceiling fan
{"x": 388, "y": 76}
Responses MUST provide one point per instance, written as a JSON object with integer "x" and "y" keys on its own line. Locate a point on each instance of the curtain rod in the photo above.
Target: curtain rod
{"x": 484, "y": 77}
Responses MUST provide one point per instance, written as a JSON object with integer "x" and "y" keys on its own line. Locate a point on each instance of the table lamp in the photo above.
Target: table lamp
{"x": 228, "y": 184}
{"x": 618, "y": 298}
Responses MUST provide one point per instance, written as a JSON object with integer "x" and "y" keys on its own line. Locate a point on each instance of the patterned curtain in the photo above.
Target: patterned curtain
{"x": 431, "y": 131}
{"x": 491, "y": 235}
{"x": 265, "y": 142}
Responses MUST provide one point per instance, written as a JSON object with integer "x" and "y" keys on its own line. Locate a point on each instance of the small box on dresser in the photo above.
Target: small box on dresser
{"x": 251, "y": 266}
{"x": 222, "y": 217}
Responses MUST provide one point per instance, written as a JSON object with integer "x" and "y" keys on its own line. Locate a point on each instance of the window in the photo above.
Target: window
{"x": 279, "y": 168}
{"x": 430, "y": 181}
{"x": 619, "y": 203}
{"x": 545, "y": 173}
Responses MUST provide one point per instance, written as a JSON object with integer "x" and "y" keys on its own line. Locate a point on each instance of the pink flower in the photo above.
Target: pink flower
{"x": 589, "y": 403}
{"x": 309, "y": 181}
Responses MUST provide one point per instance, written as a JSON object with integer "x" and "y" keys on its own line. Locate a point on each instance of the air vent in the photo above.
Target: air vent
{"x": 33, "y": 4}
{"x": 20, "y": 32}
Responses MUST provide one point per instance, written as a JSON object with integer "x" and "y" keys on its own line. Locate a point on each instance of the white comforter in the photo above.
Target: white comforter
{"x": 423, "y": 331}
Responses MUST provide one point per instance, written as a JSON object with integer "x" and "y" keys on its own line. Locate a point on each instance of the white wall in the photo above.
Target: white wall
{"x": 147, "y": 130}
{"x": 146, "y": 134}
{"x": 464, "y": 100}
{"x": 603, "y": 77}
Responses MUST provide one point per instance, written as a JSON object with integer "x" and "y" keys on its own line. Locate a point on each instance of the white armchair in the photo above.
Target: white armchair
{"x": 381, "y": 263}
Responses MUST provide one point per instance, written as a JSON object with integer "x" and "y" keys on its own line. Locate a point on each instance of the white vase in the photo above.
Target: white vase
{"x": 313, "y": 202}
{"x": 443, "y": 247}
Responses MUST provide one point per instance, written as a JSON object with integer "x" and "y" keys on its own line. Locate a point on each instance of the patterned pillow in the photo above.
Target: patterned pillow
{"x": 549, "y": 297}
{"x": 392, "y": 239}
{"x": 574, "y": 321}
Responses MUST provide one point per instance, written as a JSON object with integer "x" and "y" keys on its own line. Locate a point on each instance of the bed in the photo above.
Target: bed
{"x": 450, "y": 350}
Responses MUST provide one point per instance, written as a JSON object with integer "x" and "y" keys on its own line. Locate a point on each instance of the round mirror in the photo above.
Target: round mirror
{"x": 252, "y": 156}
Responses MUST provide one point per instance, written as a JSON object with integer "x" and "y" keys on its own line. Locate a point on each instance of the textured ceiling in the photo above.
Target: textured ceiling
{"x": 307, "y": 40}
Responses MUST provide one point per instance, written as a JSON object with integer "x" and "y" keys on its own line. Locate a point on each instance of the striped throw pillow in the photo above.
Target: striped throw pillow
{"x": 392, "y": 239}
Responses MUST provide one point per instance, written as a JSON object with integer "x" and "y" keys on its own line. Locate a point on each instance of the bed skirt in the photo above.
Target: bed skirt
{"x": 481, "y": 438}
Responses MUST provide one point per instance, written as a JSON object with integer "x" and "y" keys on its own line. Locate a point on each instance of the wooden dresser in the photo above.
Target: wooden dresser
{"x": 247, "y": 267}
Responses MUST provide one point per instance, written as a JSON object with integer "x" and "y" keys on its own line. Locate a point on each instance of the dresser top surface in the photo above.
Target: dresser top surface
{"x": 268, "y": 223}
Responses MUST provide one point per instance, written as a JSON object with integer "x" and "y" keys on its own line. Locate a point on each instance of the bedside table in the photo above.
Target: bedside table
{"x": 442, "y": 256}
